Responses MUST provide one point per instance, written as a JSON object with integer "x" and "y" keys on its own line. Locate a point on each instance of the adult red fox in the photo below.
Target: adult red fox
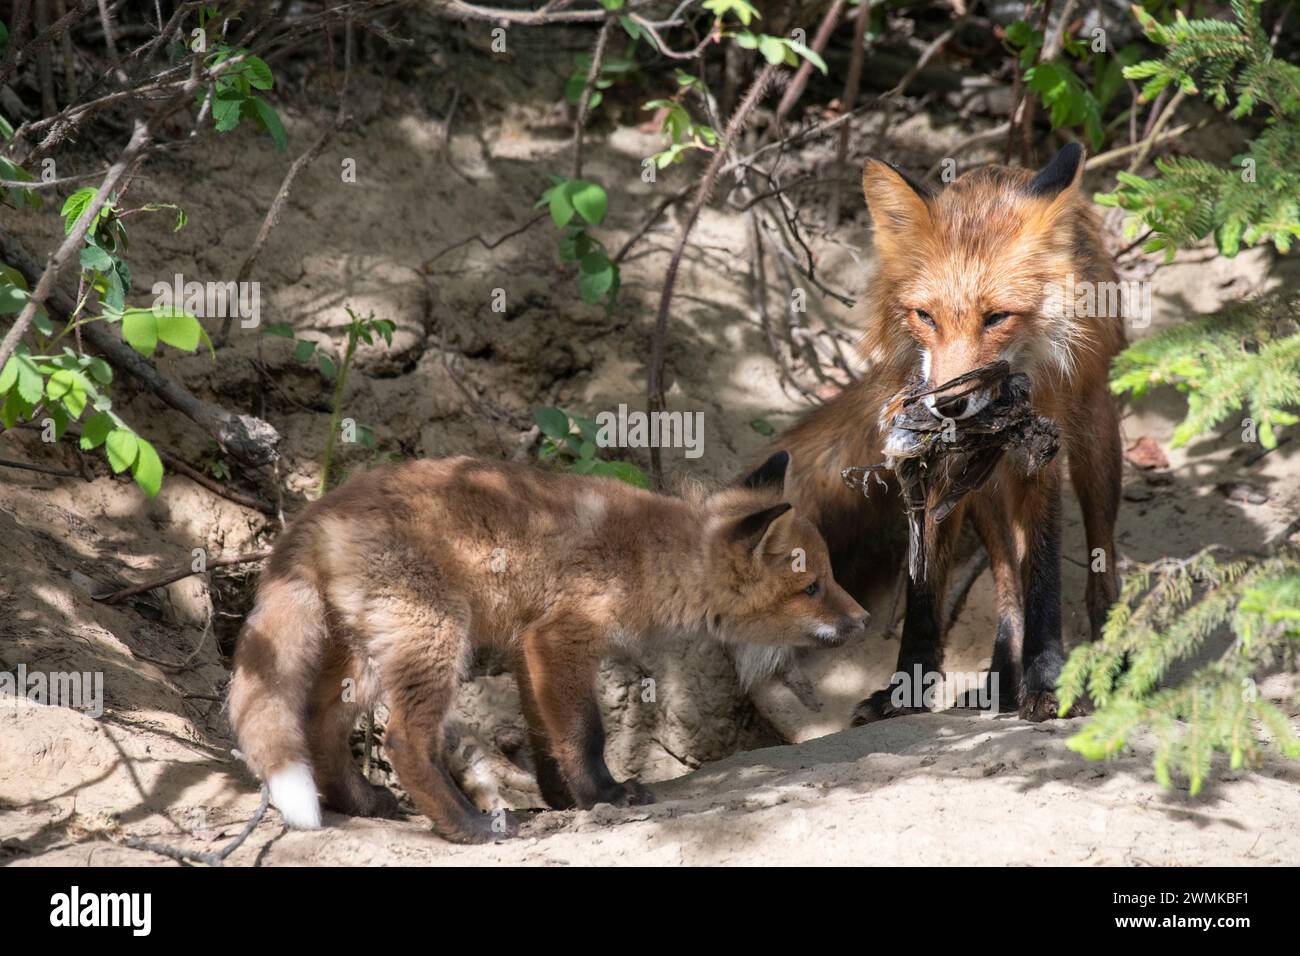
{"x": 1002, "y": 264}
{"x": 384, "y": 586}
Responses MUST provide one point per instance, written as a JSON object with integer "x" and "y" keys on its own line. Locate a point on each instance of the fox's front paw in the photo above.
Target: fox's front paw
{"x": 637, "y": 794}
{"x": 486, "y": 828}
{"x": 880, "y": 706}
{"x": 1043, "y": 705}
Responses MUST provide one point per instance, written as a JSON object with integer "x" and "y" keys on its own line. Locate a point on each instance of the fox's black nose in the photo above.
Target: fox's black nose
{"x": 851, "y": 624}
{"x": 951, "y": 407}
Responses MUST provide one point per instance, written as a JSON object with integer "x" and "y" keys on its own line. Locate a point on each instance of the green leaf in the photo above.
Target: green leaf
{"x": 95, "y": 430}
{"x": 258, "y": 74}
{"x": 269, "y": 120}
{"x": 122, "y": 448}
{"x": 553, "y": 422}
{"x": 31, "y": 383}
{"x": 75, "y": 205}
{"x": 140, "y": 329}
{"x": 303, "y": 349}
{"x": 93, "y": 257}
{"x": 589, "y": 200}
{"x": 622, "y": 470}
{"x": 327, "y": 366}
{"x": 180, "y": 330}
{"x": 227, "y": 107}
{"x": 562, "y": 210}
{"x": 148, "y": 468}
{"x": 763, "y": 427}
{"x": 69, "y": 387}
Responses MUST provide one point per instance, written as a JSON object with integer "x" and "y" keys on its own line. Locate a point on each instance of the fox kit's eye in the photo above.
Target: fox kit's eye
{"x": 813, "y": 589}
{"x": 995, "y": 318}
{"x": 925, "y": 317}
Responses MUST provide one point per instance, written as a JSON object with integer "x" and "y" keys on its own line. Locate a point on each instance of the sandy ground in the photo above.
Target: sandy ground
{"x": 926, "y": 790}
{"x": 933, "y": 789}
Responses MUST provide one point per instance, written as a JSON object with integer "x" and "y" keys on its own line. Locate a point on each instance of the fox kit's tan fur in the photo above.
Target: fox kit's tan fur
{"x": 966, "y": 277}
{"x": 383, "y": 588}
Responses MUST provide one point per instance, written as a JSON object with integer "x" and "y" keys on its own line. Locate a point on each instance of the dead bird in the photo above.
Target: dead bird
{"x": 939, "y": 460}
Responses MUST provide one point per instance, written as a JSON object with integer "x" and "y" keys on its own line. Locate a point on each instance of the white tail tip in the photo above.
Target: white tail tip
{"x": 293, "y": 791}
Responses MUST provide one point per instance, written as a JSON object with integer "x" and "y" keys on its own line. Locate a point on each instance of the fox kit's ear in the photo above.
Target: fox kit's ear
{"x": 1063, "y": 172}
{"x": 756, "y": 532}
{"x": 898, "y": 203}
{"x": 770, "y": 474}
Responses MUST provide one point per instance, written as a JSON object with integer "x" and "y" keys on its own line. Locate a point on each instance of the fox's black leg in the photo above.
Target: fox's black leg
{"x": 921, "y": 650}
{"x": 1044, "y": 654}
{"x": 561, "y": 667}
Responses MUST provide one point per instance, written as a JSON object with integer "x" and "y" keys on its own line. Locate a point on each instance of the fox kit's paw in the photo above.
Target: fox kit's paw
{"x": 486, "y": 828}
{"x": 637, "y": 794}
{"x": 880, "y": 706}
{"x": 1043, "y": 705}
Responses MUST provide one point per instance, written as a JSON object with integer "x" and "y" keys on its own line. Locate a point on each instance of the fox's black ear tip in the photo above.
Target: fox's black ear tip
{"x": 771, "y": 473}
{"x": 1060, "y": 173}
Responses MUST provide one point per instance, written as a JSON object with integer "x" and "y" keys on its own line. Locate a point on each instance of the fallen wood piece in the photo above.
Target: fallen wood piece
{"x": 185, "y": 572}
{"x": 938, "y": 461}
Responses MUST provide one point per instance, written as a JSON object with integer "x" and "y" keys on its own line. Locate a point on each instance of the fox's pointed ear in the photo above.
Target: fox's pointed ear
{"x": 770, "y": 474}
{"x": 898, "y": 203}
{"x": 1063, "y": 172}
{"x": 753, "y": 531}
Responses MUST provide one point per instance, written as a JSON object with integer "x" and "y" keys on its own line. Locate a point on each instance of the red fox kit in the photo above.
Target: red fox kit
{"x": 969, "y": 275}
{"x": 390, "y": 581}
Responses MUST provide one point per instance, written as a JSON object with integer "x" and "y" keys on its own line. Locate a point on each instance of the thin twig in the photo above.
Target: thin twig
{"x": 655, "y": 387}
{"x": 174, "y": 576}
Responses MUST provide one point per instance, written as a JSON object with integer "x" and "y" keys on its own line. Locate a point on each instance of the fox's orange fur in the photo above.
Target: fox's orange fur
{"x": 385, "y": 586}
{"x": 965, "y": 277}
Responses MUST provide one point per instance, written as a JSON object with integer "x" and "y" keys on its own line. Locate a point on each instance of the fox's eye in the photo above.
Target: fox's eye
{"x": 925, "y": 317}
{"x": 813, "y": 589}
{"x": 995, "y": 318}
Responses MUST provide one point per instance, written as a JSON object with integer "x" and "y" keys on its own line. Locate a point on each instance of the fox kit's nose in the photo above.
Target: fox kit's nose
{"x": 854, "y": 623}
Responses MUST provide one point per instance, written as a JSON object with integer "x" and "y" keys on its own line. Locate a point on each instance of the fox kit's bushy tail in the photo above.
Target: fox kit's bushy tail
{"x": 276, "y": 662}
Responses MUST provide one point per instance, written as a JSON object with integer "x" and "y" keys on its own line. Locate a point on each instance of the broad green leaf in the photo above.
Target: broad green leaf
{"x": 148, "y": 468}
{"x": 180, "y": 330}
{"x": 95, "y": 429}
{"x": 140, "y": 329}
{"x": 553, "y": 422}
{"x": 269, "y": 120}
{"x": 589, "y": 200}
{"x": 122, "y": 448}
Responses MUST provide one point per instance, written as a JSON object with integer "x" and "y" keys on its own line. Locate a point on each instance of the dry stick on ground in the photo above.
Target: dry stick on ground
{"x": 1157, "y": 127}
{"x": 45, "y": 63}
{"x": 851, "y": 86}
{"x": 42, "y": 469}
{"x": 215, "y": 858}
{"x": 1119, "y": 152}
{"x": 974, "y": 140}
{"x": 174, "y": 576}
{"x": 214, "y": 486}
{"x": 593, "y": 74}
{"x": 795, "y": 90}
{"x": 655, "y": 385}
{"x": 458, "y": 10}
{"x": 891, "y": 98}
{"x": 483, "y": 242}
{"x": 273, "y": 214}
{"x": 758, "y": 292}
